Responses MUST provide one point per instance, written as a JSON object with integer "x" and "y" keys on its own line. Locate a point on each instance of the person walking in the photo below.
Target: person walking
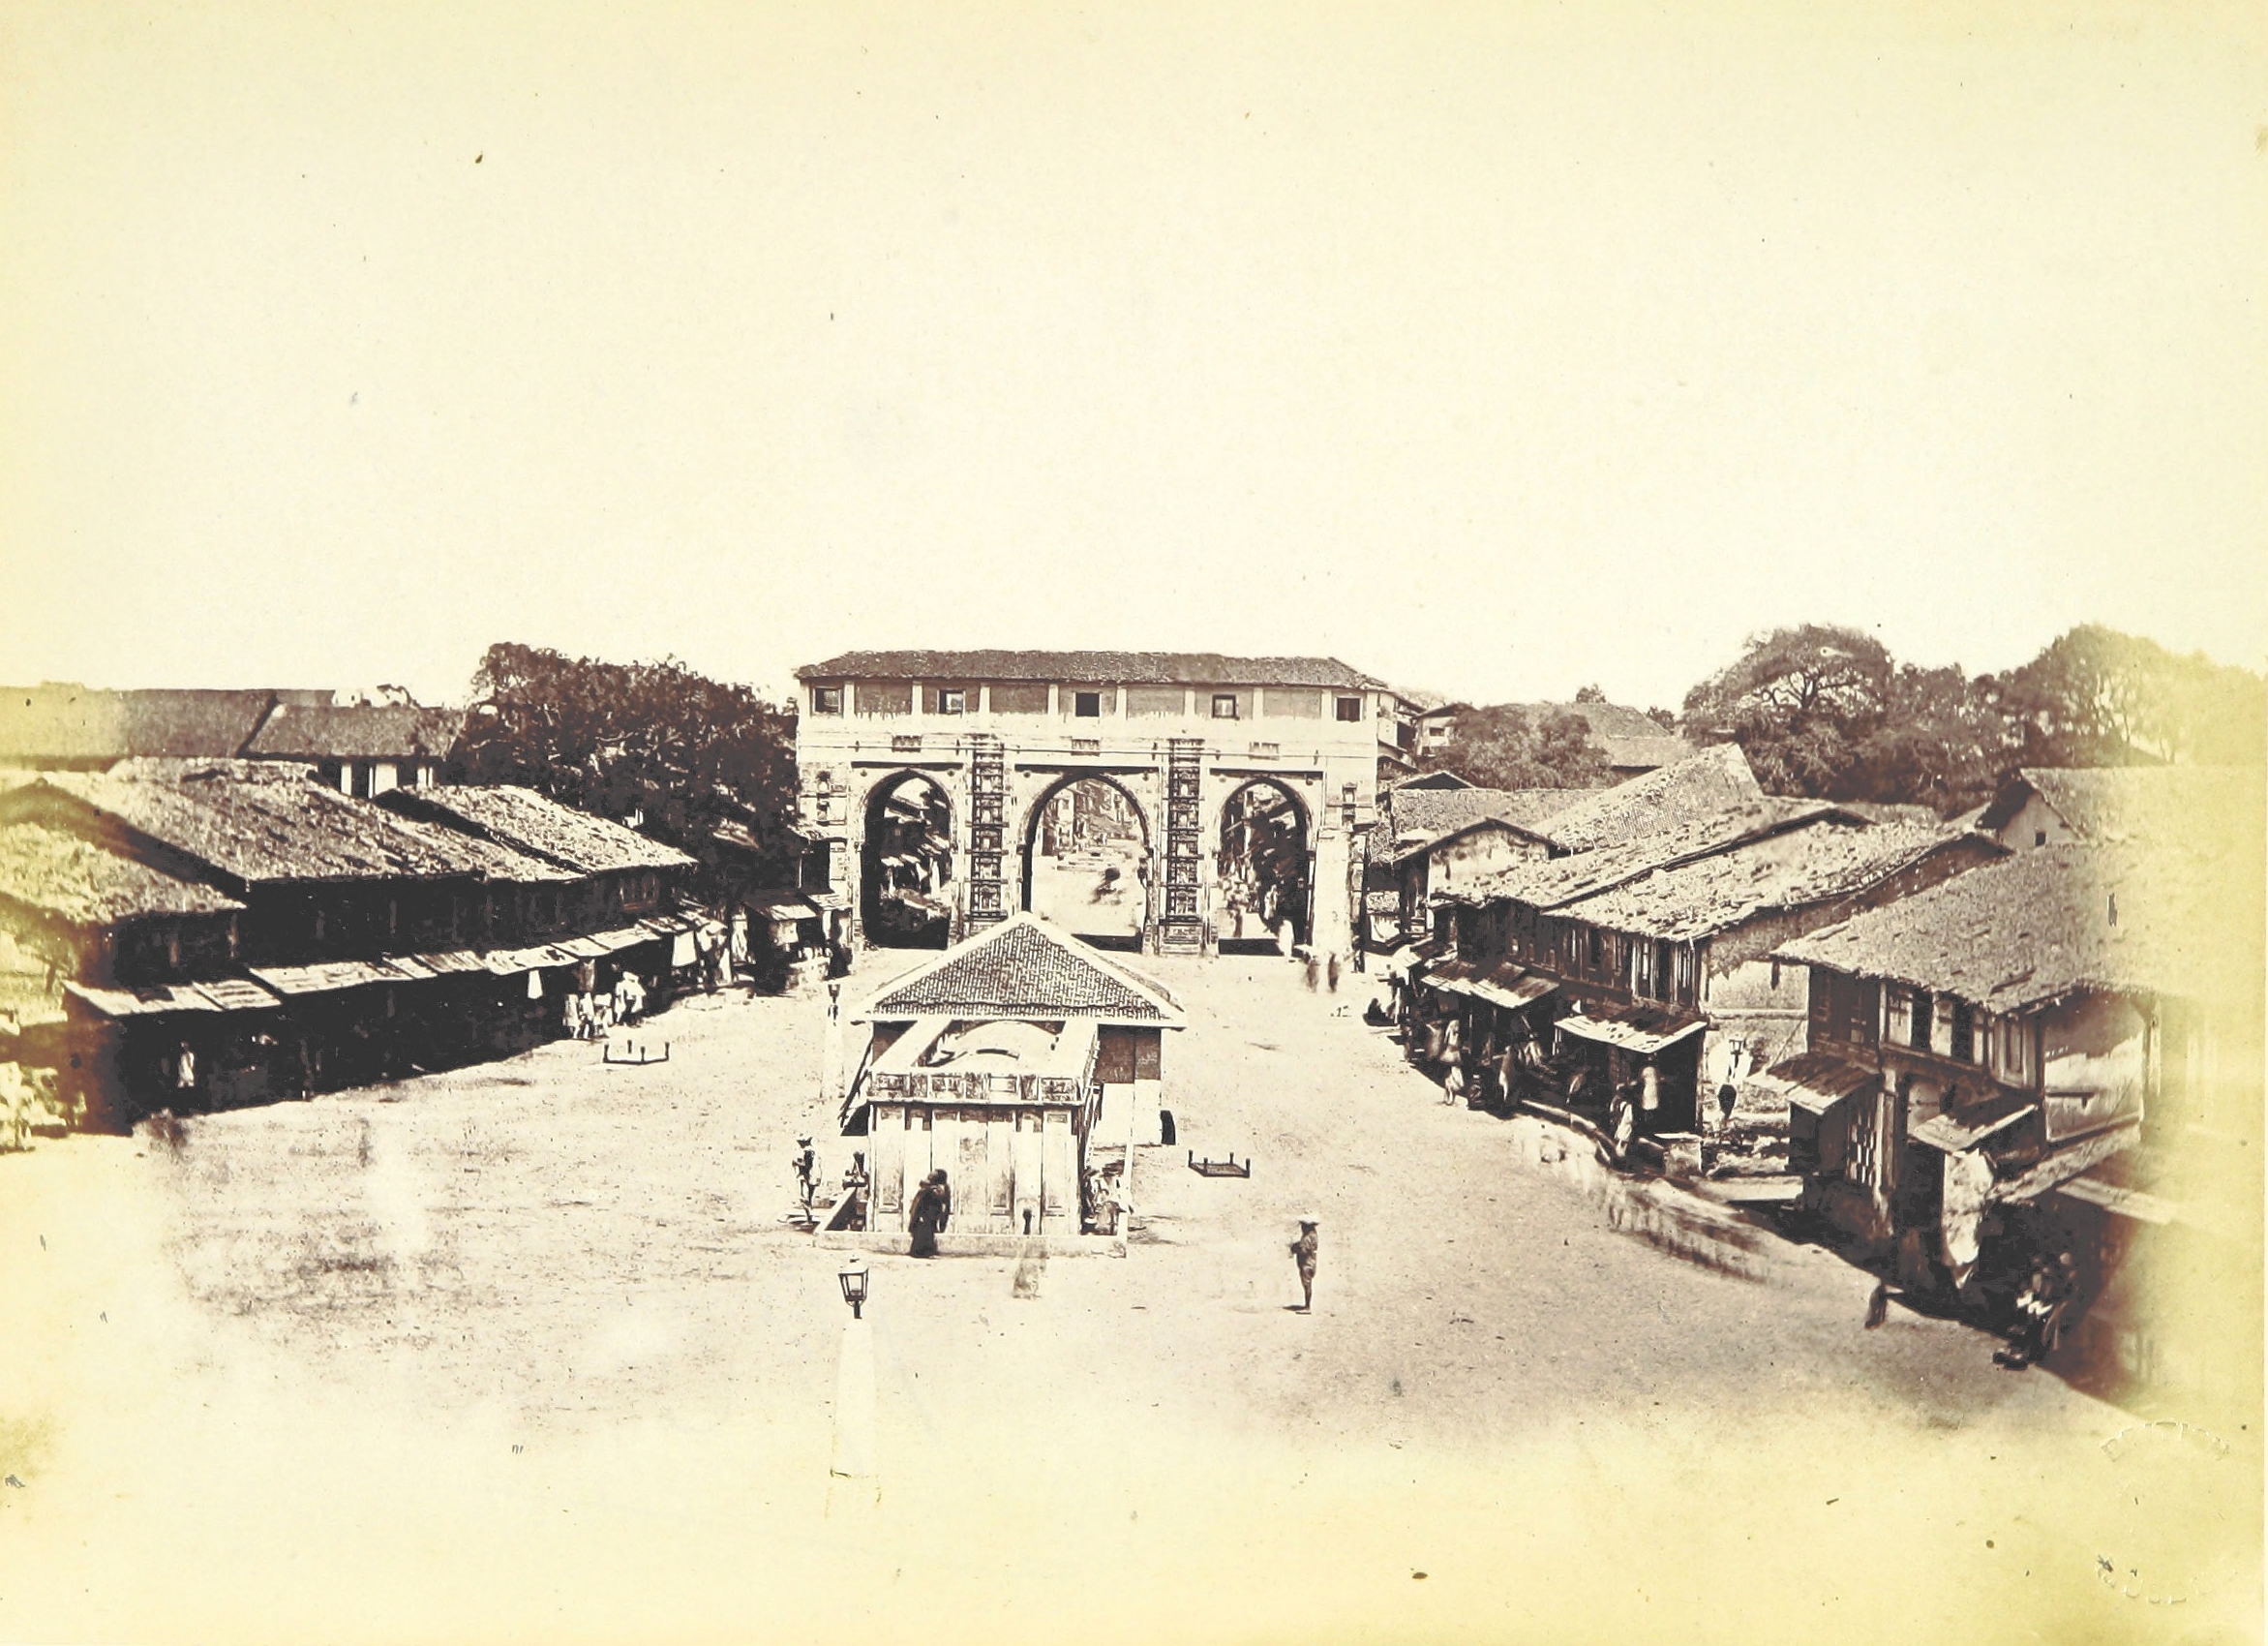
{"x": 1303, "y": 1253}
{"x": 1622, "y": 1121}
{"x": 926, "y": 1217}
{"x": 806, "y": 1165}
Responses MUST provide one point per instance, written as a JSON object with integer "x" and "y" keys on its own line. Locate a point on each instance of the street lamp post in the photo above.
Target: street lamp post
{"x": 854, "y": 1382}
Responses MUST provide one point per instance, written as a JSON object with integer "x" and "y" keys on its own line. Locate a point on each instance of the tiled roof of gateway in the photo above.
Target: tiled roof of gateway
{"x": 1024, "y": 967}
{"x": 54, "y": 870}
{"x": 259, "y": 821}
{"x": 530, "y": 822}
{"x": 2050, "y": 922}
{"x": 1797, "y": 869}
{"x": 360, "y": 731}
{"x": 1114, "y": 668}
{"x": 1663, "y": 799}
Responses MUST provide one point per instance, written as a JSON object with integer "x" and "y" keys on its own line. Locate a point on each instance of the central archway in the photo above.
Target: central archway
{"x": 1265, "y": 870}
{"x": 1087, "y": 862}
{"x": 905, "y": 897}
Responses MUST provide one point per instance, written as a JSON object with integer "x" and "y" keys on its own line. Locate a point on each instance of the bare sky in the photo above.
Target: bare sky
{"x": 1495, "y": 348}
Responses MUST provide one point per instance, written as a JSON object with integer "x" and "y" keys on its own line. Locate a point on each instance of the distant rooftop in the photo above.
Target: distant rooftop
{"x": 2106, "y": 805}
{"x": 359, "y": 731}
{"x": 1103, "y": 668}
{"x": 66, "y": 725}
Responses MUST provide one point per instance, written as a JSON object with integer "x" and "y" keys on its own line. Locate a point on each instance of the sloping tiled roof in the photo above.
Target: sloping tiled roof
{"x": 1432, "y": 811}
{"x": 1694, "y": 788}
{"x": 1116, "y": 668}
{"x": 1549, "y": 883}
{"x": 1440, "y": 780}
{"x": 530, "y": 822}
{"x": 1797, "y": 869}
{"x": 1426, "y": 843}
{"x": 358, "y": 732}
{"x": 1645, "y": 753}
{"x": 1605, "y": 719}
{"x": 60, "y": 722}
{"x": 2106, "y": 805}
{"x": 2040, "y": 924}
{"x": 1025, "y": 967}
{"x": 57, "y": 872}
{"x": 262, "y": 821}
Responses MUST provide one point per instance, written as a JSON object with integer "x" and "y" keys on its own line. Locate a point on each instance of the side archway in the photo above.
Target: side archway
{"x": 1264, "y": 869}
{"x": 1086, "y": 860}
{"x": 905, "y": 864}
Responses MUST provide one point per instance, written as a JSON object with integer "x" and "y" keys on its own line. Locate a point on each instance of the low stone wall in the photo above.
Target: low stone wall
{"x": 1679, "y": 1223}
{"x": 951, "y": 1245}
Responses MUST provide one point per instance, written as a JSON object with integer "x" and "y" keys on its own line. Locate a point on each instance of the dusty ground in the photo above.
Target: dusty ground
{"x": 529, "y": 1350}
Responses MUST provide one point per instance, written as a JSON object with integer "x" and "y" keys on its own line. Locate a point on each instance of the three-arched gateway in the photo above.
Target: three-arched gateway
{"x": 1165, "y": 802}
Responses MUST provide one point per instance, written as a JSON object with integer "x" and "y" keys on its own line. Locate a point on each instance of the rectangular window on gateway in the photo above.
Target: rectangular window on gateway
{"x": 1087, "y": 705}
{"x": 952, "y": 700}
{"x": 827, "y": 700}
{"x": 1224, "y": 705}
{"x": 1349, "y": 708}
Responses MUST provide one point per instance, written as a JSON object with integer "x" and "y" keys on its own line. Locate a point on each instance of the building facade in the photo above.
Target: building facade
{"x": 939, "y": 771}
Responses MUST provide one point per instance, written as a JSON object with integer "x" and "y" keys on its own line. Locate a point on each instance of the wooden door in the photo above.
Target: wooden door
{"x": 1026, "y": 1197}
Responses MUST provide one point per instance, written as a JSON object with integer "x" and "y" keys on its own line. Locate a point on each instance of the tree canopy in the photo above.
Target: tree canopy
{"x": 1827, "y": 712}
{"x": 2098, "y": 697}
{"x": 651, "y": 739}
{"x": 1506, "y": 747}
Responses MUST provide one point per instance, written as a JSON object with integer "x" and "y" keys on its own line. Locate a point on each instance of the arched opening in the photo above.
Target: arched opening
{"x": 905, "y": 897}
{"x": 1087, "y": 862}
{"x": 1264, "y": 871}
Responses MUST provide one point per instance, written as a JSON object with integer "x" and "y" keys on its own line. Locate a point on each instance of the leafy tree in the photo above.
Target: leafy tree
{"x": 1591, "y": 694}
{"x": 1666, "y": 719}
{"x": 1799, "y": 702}
{"x": 1941, "y": 742}
{"x": 684, "y": 752}
{"x": 2098, "y": 697}
{"x": 1506, "y": 747}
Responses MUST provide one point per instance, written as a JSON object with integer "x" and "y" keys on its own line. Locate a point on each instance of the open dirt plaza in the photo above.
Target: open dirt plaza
{"x": 531, "y": 1351}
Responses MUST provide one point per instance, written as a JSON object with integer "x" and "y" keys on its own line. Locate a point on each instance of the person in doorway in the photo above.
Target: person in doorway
{"x": 185, "y": 1068}
{"x": 926, "y": 1217}
{"x": 1303, "y": 1254}
{"x": 1650, "y": 1093}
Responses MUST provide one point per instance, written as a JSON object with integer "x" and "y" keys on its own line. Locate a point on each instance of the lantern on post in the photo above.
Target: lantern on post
{"x": 853, "y": 1288}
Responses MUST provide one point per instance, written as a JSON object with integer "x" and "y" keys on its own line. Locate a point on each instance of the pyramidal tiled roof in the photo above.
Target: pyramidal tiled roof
{"x": 1025, "y": 967}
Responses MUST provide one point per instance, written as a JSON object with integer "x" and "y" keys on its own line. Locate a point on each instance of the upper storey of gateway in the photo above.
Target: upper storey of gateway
{"x": 1205, "y": 687}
